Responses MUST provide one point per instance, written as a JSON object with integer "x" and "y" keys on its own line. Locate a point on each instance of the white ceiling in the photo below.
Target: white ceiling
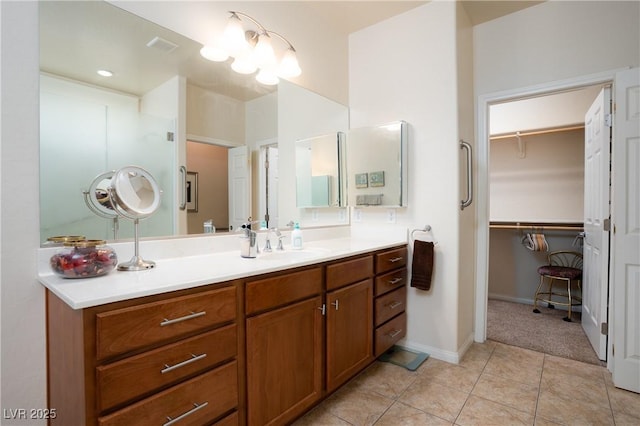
{"x": 79, "y": 37}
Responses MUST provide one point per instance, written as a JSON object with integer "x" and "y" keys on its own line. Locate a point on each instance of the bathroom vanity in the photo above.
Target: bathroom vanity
{"x": 260, "y": 341}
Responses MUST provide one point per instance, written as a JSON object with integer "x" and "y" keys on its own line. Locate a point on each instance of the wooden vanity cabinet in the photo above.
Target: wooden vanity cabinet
{"x": 390, "y": 298}
{"x": 147, "y": 360}
{"x": 349, "y": 312}
{"x": 284, "y": 329}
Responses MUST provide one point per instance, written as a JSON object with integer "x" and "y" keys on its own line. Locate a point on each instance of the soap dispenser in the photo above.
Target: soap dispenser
{"x": 296, "y": 237}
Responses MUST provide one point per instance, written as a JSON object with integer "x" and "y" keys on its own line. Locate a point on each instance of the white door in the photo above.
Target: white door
{"x": 595, "y": 284}
{"x": 626, "y": 237}
{"x": 272, "y": 179}
{"x": 239, "y": 186}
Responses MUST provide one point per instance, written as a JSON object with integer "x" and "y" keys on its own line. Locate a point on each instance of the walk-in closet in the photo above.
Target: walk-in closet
{"x": 537, "y": 206}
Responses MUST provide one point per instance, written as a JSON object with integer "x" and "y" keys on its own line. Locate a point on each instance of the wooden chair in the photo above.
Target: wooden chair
{"x": 563, "y": 269}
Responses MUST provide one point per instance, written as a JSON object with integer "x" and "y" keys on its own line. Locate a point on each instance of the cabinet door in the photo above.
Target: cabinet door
{"x": 284, "y": 362}
{"x": 349, "y": 332}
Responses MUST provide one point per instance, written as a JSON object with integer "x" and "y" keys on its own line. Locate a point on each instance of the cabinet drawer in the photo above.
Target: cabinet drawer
{"x": 231, "y": 420}
{"x": 391, "y": 281}
{"x": 135, "y": 327}
{"x": 196, "y": 402}
{"x": 388, "y": 334}
{"x": 390, "y": 305}
{"x": 348, "y": 272}
{"x": 391, "y": 259}
{"x": 271, "y": 292}
{"x": 124, "y": 380}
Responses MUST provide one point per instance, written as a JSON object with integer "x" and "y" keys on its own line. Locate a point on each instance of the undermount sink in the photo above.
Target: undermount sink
{"x": 293, "y": 255}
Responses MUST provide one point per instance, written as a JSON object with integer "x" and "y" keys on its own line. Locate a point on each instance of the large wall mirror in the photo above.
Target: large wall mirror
{"x": 377, "y": 165}
{"x": 164, "y": 107}
{"x": 320, "y": 171}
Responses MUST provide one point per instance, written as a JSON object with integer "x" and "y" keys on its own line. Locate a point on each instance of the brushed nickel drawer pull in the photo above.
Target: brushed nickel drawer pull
{"x": 193, "y": 358}
{"x": 323, "y": 308}
{"x": 335, "y": 304}
{"x": 183, "y": 415}
{"x": 395, "y": 281}
{"x": 394, "y": 333}
{"x": 184, "y": 318}
{"x": 394, "y": 305}
{"x": 396, "y": 259}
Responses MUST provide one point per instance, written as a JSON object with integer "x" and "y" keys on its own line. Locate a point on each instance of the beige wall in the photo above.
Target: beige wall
{"x": 547, "y": 185}
{"x": 210, "y": 162}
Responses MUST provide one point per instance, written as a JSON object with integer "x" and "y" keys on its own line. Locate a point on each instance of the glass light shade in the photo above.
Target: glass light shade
{"x": 267, "y": 77}
{"x": 214, "y": 53}
{"x": 289, "y": 65}
{"x": 233, "y": 38}
{"x": 243, "y": 63}
{"x": 263, "y": 54}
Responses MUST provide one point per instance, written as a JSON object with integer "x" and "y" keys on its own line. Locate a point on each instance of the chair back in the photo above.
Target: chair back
{"x": 571, "y": 259}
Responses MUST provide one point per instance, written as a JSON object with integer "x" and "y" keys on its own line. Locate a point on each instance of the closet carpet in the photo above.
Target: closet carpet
{"x": 515, "y": 324}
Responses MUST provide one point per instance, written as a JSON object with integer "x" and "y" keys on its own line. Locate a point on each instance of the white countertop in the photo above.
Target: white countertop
{"x": 183, "y": 272}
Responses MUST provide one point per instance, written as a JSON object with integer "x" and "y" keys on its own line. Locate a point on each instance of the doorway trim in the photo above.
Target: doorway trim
{"x": 482, "y": 138}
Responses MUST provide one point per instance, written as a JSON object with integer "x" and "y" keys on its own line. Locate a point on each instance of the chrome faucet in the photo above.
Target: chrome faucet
{"x": 267, "y": 245}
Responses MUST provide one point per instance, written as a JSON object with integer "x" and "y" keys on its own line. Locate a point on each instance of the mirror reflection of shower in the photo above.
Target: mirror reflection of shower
{"x": 99, "y": 201}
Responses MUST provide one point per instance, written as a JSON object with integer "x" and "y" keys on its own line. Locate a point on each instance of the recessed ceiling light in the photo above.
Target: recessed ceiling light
{"x": 105, "y": 73}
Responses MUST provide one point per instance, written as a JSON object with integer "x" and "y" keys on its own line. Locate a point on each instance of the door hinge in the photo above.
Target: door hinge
{"x": 604, "y": 329}
{"x": 169, "y": 136}
{"x": 606, "y": 225}
{"x": 608, "y": 120}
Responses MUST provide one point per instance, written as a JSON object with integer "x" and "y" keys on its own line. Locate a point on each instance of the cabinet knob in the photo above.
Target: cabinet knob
{"x": 335, "y": 304}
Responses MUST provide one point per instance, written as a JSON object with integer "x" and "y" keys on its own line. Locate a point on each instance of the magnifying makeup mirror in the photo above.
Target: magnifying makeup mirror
{"x": 135, "y": 195}
{"x": 99, "y": 201}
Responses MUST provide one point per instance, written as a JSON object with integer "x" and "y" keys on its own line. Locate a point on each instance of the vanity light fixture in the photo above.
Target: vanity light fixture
{"x": 253, "y": 51}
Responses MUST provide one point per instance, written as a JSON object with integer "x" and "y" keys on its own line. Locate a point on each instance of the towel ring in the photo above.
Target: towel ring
{"x": 427, "y": 229}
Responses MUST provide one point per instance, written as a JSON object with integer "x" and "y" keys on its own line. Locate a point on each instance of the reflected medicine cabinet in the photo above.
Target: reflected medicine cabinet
{"x": 377, "y": 165}
{"x": 320, "y": 171}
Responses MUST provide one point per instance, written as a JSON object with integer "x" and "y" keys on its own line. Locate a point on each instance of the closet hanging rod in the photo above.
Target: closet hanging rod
{"x": 548, "y": 226}
{"x": 536, "y": 132}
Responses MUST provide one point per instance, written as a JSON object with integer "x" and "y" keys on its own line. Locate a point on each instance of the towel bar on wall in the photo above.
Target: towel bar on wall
{"x": 469, "y": 200}
{"x": 426, "y": 229}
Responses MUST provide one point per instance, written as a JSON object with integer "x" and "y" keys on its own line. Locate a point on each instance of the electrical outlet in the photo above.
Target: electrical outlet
{"x": 314, "y": 215}
{"x": 342, "y": 215}
{"x": 357, "y": 215}
{"x": 391, "y": 216}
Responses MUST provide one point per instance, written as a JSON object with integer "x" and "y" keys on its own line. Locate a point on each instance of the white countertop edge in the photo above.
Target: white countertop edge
{"x": 187, "y": 272}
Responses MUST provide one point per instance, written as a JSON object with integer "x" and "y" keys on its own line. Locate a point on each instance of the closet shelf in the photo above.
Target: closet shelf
{"x": 536, "y": 132}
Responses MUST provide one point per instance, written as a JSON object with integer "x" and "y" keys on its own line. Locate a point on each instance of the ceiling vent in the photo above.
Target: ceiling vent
{"x": 162, "y": 44}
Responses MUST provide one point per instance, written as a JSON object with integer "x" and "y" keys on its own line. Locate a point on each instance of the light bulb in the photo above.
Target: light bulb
{"x": 289, "y": 65}
{"x": 233, "y": 36}
{"x": 214, "y": 53}
{"x": 267, "y": 77}
{"x": 263, "y": 54}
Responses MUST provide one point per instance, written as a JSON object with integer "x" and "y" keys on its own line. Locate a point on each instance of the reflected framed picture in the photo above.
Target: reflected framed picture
{"x": 191, "y": 191}
{"x": 362, "y": 180}
{"x": 376, "y": 178}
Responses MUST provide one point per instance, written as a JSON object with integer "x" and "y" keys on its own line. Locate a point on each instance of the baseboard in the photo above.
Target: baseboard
{"x": 442, "y": 355}
{"x": 528, "y": 301}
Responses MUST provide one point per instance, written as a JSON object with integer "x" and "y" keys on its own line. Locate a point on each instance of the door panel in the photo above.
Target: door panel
{"x": 239, "y": 186}
{"x": 626, "y": 239}
{"x": 596, "y": 211}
